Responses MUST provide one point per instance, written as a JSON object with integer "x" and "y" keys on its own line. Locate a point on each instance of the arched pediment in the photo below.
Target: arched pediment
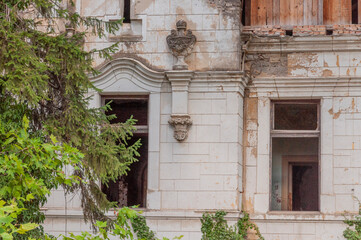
{"x": 127, "y": 75}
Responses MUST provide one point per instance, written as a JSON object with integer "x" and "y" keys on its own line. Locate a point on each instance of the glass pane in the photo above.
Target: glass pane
{"x": 124, "y": 108}
{"x": 295, "y": 116}
{"x": 294, "y": 174}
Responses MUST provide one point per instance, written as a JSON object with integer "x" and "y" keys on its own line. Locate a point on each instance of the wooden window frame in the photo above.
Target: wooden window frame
{"x": 287, "y": 159}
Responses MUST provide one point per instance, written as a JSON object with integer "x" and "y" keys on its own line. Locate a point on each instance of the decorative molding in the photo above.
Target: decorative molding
{"x": 181, "y": 123}
{"x": 181, "y": 42}
{"x": 306, "y": 86}
{"x": 293, "y": 44}
{"x": 119, "y": 70}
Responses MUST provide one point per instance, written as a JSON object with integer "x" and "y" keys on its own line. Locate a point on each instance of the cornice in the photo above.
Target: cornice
{"x": 290, "y": 44}
{"x": 302, "y": 86}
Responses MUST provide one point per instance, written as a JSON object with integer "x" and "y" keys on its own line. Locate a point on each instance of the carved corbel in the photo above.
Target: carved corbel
{"x": 181, "y": 124}
{"x": 180, "y": 119}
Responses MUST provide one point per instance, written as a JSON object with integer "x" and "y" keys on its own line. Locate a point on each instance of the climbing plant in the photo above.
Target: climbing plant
{"x": 215, "y": 227}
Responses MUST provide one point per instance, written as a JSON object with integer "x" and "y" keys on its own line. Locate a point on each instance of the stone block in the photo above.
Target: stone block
{"x": 161, "y": 7}
{"x": 169, "y": 171}
{"x": 263, "y": 166}
{"x": 218, "y": 152}
{"x": 166, "y": 185}
{"x": 346, "y": 176}
{"x": 211, "y": 182}
{"x": 326, "y": 174}
{"x": 188, "y": 200}
{"x": 345, "y": 203}
{"x": 327, "y": 204}
{"x": 261, "y": 204}
{"x": 187, "y": 185}
{"x": 199, "y": 106}
{"x": 153, "y": 199}
{"x": 169, "y": 225}
{"x": 199, "y": 148}
{"x": 229, "y": 128}
{"x": 190, "y": 170}
{"x": 208, "y": 134}
{"x": 169, "y": 200}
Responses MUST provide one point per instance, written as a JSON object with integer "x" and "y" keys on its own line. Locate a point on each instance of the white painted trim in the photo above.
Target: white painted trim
{"x": 124, "y": 76}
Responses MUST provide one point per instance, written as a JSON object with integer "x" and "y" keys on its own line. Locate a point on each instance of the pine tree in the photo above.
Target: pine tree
{"x": 44, "y": 75}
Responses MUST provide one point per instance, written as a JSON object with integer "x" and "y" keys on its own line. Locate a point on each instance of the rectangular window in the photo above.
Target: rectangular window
{"x": 131, "y": 189}
{"x": 295, "y": 150}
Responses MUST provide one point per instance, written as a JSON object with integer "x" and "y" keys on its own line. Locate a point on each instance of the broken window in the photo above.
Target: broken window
{"x": 300, "y": 12}
{"x": 126, "y": 11}
{"x": 131, "y": 189}
{"x": 295, "y": 162}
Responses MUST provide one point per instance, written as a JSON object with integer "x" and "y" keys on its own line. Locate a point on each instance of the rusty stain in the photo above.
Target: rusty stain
{"x": 353, "y": 105}
{"x": 325, "y": 64}
{"x": 330, "y": 111}
{"x": 248, "y": 205}
{"x": 336, "y": 115}
{"x": 338, "y": 61}
{"x": 348, "y": 72}
{"x": 353, "y": 145}
{"x": 326, "y": 73}
{"x": 254, "y": 151}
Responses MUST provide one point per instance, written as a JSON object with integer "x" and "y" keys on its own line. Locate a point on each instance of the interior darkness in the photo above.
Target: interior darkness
{"x": 305, "y": 187}
{"x": 126, "y": 11}
{"x": 295, "y": 116}
{"x": 243, "y": 16}
{"x": 131, "y": 189}
{"x": 124, "y": 108}
{"x": 354, "y": 11}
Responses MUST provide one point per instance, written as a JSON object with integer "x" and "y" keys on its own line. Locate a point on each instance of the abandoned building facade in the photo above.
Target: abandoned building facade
{"x": 250, "y": 105}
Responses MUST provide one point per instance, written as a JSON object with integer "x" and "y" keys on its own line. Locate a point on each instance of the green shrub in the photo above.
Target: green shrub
{"x": 215, "y": 227}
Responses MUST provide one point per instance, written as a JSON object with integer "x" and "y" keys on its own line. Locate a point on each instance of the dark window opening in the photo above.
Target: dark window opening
{"x": 126, "y": 13}
{"x": 294, "y": 154}
{"x": 304, "y": 186}
{"x": 289, "y": 32}
{"x": 295, "y": 116}
{"x": 354, "y": 11}
{"x": 131, "y": 189}
{"x": 246, "y": 13}
{"x": 329, "y": 31}
{"x": 123, "y": 109}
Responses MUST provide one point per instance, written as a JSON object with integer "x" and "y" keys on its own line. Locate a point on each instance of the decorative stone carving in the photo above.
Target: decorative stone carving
{"x": 181, "y": 123}
{"x": 181, "y": 43}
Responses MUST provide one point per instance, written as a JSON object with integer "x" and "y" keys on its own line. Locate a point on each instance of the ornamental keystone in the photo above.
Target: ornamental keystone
{"x": 181, "y": 42}
{"x": 181, "y": 123}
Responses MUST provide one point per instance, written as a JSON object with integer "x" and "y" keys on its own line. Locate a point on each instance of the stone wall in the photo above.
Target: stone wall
{"x": 214, "y": 23}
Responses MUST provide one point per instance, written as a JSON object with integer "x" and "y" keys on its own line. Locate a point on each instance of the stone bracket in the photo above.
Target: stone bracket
{"x": 181, "y": 124}
{"x": 180, "y": 119}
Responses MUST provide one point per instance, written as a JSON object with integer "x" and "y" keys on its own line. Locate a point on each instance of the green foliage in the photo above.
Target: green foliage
{"x": 215, "y": 227}
{"x": 31, "y": 167}
{"x": 123, "y": 229}
{"x": 140, "y": 227}
{"x": 8, "y": 215}
{"x": 44, "y": 73}
{"x": 353, "y": 231}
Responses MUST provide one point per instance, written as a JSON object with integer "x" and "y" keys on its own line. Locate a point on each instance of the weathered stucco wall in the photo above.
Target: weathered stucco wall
{"x": 298, "y": 69}
{"x": 214, "y": 23}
